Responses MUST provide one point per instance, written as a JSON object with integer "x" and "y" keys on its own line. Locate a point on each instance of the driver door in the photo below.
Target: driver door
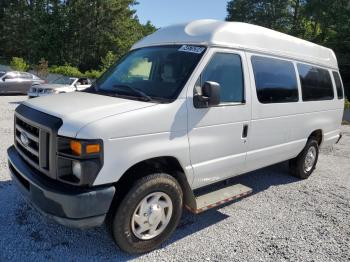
{"x": 9, "y": 83}
{"x": 218, "y": 135}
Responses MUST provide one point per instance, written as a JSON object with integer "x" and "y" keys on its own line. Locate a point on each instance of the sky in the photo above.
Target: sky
{"x": 166, "y": 12}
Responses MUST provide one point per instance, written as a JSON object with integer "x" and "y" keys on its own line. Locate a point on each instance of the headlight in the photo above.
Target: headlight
{"x": 76, "y": 169}
{"x": 79, "y": 161}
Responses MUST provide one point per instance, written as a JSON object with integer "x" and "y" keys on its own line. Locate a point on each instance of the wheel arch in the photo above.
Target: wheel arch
{"x": 318, "y": 135}
{"x": 163, "y": 164}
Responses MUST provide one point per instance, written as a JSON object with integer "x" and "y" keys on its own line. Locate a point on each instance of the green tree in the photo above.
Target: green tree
{"x": 108, "y": 60}
{"x": 76, "y": 32}
{"x": 273, "y": 14}
{"x": 325, "y": 22}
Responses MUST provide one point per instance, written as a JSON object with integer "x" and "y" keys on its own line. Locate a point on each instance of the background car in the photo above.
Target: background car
{"x": 17, "y": 82}
{"x": 62, "y": 84}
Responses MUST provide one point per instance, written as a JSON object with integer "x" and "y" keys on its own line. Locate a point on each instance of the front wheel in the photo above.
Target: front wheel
{"x": 304, "y": 164}
{"x": 148, "y": 214}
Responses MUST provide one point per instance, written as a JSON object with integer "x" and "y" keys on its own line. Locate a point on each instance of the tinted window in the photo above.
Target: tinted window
{"x": 275, "y": 80}
{"x": 316, "y": 83}
{"x": 338, "y": 85}
{"x": 141, "y": 68}
{"x": 25, "y": 76}
{"x": 226, "y": 69}
{"x": 157, "y": 73}
{"x": 64, "y": 80}
{"x": 11, "y": 75}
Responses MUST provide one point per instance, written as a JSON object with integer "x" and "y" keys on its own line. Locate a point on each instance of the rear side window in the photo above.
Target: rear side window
{"x": 316, "y": 83}
{"x": 226, "y": 69}
{"x": 338, "y": 85}
{"x": 25, "y": 76}
{"x": 275, "y": 80}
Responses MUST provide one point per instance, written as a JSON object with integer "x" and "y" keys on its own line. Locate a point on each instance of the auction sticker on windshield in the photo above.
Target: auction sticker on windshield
{"x": 192, "y": 49}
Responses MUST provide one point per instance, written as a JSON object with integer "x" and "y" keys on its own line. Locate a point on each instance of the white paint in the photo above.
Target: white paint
{"x": 241, "y": 36}
{"x": 207, "y": 142}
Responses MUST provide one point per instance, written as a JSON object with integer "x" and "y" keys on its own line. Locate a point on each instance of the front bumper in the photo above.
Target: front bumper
{"x": 67, "y": 205}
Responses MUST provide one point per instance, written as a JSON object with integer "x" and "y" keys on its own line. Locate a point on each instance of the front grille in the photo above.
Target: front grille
{"x": 32, "y": 143}
{"x": 38, "y": 146}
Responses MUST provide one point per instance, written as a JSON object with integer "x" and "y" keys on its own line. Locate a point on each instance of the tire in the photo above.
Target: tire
{"x": 124, "y": 227}
{"x": 305, "y": 163}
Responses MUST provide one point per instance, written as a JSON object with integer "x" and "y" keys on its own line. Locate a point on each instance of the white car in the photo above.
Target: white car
{"x": 190, "y": 105}
{"x": 60, "y": 85}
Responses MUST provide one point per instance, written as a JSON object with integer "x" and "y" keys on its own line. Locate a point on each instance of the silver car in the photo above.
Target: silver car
{"x": 17, "y": 82}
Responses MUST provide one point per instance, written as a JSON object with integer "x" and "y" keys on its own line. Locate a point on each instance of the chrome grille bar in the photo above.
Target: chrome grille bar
{"x": 30, "y": 136}
{"x": 28, "y": 148}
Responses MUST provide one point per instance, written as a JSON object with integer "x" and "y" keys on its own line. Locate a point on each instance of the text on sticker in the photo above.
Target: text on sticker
{"x": 191, "y": 49}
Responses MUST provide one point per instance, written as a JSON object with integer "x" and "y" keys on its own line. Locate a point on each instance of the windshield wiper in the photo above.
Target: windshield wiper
{"x": 134, "y": 90}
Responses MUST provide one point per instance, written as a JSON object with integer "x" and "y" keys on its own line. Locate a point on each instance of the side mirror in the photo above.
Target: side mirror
{"x": 4, "y": 78}
{"x": 210, "y": 95}
{"x": 76, "y": 86}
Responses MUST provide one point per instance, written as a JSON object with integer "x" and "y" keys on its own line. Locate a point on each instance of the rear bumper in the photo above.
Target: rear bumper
{"x": 67, "y": 205}
{"x": 331, "y": 138}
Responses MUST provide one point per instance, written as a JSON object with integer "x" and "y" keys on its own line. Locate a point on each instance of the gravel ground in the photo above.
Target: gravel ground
{"x": 285, "y": 219}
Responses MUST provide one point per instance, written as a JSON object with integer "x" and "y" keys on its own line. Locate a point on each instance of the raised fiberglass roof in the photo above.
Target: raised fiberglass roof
{"x": 241, "y": 36}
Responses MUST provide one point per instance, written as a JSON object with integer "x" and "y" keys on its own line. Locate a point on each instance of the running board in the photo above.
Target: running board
{"x": 219, "y": 197}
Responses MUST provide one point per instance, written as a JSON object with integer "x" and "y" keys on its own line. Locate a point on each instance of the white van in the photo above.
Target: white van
{"x": 188, "y": 106}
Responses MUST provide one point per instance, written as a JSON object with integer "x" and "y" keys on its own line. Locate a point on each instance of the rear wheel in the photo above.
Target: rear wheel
{"x": 305, "y": 163}
{"x": 148, "y": 214}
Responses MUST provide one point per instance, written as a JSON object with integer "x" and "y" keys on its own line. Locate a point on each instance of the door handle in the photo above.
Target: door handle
{"x": 245, "y": 131}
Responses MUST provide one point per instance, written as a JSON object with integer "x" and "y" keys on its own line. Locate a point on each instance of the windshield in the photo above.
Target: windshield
{"x": 64, "y": 80}
{"x": 151, "y": 73}
{"x": 2, "y": 73}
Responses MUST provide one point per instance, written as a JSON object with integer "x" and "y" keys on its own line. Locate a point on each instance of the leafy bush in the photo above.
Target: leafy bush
{"x": 66, "y": 70}
{"x": 18, "y": 63}
{"x": 347, "y": 104}
{"x": 93, "y": 74}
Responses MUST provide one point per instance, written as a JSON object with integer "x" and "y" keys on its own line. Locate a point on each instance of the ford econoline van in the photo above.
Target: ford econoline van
{"x": 188, "y": 106}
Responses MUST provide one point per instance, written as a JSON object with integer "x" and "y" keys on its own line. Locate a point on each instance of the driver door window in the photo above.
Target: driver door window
{"x": 10, "y": 77}
{"x": 226, "y": 69}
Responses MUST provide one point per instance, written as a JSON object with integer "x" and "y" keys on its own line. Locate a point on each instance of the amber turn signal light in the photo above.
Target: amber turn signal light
{"x": 92, "y": 149}
{"x": 76, "y": 147}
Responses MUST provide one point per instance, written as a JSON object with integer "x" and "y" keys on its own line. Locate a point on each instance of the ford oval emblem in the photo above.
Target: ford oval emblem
{"x": 24, "y": 139}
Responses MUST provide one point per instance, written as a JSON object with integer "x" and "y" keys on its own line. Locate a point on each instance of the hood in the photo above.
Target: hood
{"x": 78, "y": 109}
{"x": 52, "y": 86}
